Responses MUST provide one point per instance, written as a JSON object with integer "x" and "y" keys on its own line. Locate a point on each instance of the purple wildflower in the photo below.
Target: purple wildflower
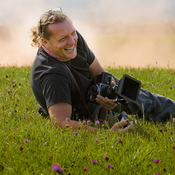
{"x": 157, "y": 161}
{"x": 151, "y": 76}
{"x": 96, "y": 140}
{"x": 56, "y": 168}
{"x": 171, "y": 132}
{"x": 67, "y": 119}
{"x": 106, "y": 157}
{"x": 93, "y": 161}
{"x": 60, "y": 171}
{"x": 9, "y": 91}
{"x": 131, "y": 73}
{"x": 26, "y": 140}
{"x": 141, "y": 70}
{"x": 173, "y": 119}
{"x": 153, "y": 87}
{"x": 76, "y": 133}
{"x": 74, "y": 149}
{"x": 67, "y": 125}
{"x": 173, "y": 86}
{"x": 106, "y": 137}
{"x": 84, "y": 122}
{"x": 86, "y": 168}
{"x": 106, "y": 122}
{"x": 119, "y": 138}
{"x": 157, "y": 173}
{"x": 160, "y": 84}
{"x": 24, "y": 116}
{"x": 109, "y": 166}
{"x": 97, "y": 122}
{"x": 62, "y": 130}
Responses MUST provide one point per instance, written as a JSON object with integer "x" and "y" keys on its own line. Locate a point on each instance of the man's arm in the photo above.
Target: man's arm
{"x": 59, "y": 112}
{"x": 95, "y": 68}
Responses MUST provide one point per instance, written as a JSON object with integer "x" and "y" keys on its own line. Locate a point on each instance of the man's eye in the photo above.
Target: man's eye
{"x": 62, "y": 39}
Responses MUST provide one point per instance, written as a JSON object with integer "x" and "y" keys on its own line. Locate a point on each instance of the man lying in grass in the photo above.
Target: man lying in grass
{"x": 65, "y": 68}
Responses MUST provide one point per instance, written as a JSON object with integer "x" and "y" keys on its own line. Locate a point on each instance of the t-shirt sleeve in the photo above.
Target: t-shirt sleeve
{"x": 82, "y": 43}
{"x": 56, "y": 88}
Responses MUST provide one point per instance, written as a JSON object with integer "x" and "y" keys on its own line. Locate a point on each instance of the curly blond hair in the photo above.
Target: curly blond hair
{"x": 42, "y": 30}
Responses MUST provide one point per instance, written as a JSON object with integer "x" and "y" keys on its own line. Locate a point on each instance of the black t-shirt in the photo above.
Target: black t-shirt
{"x": 52, "y": 83}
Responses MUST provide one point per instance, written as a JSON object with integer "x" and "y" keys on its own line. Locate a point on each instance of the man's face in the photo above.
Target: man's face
{"x": 63, "y": 40}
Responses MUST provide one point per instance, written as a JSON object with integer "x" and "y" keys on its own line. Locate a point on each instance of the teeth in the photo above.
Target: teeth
{"x": 71, "y": 48}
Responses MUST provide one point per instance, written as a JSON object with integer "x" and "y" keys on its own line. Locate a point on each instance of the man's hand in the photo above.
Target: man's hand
{"x": 106, "y": 102}
{"x": 119, "y": 126}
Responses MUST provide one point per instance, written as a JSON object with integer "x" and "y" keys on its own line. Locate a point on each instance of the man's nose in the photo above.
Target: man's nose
{"x": 71, "y": 40}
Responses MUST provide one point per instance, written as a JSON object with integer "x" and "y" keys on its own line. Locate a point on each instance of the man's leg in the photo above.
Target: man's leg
{"x": 153, "y": 106}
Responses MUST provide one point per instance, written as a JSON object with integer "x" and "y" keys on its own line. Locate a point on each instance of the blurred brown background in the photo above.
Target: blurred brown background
{"x": 120, "y": 33}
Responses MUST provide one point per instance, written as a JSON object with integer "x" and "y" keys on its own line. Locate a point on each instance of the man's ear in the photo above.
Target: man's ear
{"x": 44, "y": 42}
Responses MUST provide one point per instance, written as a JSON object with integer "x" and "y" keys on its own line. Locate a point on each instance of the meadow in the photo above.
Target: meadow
{"x": 31, "y": 144}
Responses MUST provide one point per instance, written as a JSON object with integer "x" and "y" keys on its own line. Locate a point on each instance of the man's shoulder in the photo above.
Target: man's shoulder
{"x": 43, "y": 60}
{"x": 46, "y": 65}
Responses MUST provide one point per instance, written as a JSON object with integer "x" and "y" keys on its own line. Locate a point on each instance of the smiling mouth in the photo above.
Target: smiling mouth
{"x": 69, "y": 49}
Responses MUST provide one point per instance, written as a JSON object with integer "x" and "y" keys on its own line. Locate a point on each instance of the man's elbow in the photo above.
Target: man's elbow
{"x": 59, "y": 122}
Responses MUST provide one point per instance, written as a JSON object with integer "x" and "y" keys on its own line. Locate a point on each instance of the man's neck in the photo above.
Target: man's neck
{"x": 54, "y": 55}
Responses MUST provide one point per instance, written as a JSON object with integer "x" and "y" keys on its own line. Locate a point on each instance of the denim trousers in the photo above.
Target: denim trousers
{"x": 151, "y": 106}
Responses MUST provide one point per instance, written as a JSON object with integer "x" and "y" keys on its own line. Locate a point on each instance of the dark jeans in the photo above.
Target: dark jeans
{"x": 153, "y": 106}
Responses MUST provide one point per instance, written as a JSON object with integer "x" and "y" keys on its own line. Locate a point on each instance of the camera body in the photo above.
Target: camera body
{"x": 127, "y": 89}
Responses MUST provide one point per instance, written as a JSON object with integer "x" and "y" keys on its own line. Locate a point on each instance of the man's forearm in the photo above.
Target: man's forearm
{"x": 74, "y": 125}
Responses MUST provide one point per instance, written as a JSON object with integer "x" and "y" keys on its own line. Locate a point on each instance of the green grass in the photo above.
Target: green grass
{"x": 48, "y": 145}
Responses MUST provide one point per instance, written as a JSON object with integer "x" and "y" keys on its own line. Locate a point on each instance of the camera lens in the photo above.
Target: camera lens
{"x": 112, "y": 91}
{"x": 94, "y": 89}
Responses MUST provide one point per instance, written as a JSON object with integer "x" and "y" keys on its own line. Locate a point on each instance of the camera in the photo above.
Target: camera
{"x": 127, "y": 89}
